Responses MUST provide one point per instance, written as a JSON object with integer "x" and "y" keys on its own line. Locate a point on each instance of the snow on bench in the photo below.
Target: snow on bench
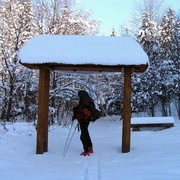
{"x": 146, "y": 122}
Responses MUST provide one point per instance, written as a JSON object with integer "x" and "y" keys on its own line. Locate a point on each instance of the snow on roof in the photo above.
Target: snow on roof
{"x": 75, "y": 49}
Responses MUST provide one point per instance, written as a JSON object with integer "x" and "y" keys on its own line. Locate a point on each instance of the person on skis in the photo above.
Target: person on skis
{"x": 83, "y": 114}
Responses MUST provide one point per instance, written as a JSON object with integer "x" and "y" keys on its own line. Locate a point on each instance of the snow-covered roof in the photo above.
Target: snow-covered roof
{"x": 83, "y": 50}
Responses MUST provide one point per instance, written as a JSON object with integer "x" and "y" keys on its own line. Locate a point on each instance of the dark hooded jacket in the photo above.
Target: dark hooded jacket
{"x": 85, "y": 100}
{"x": 82, "y": 112}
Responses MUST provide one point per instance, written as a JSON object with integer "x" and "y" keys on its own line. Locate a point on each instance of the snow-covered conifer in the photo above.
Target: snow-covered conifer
{"x": 169, "y": 55}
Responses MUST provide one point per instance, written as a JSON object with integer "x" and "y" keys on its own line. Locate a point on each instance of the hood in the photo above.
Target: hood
{"x": 82, "y": 94}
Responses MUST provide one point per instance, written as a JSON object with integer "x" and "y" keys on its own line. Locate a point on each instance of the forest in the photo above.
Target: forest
{"x": 153, "y": 92}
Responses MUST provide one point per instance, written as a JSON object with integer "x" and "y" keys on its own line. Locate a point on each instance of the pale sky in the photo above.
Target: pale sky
{"x": 113, "y": 13}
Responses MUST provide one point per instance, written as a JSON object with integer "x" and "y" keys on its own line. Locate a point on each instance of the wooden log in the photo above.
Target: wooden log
{"x": 43, "y": 105}
{"x": 126, "y": 129}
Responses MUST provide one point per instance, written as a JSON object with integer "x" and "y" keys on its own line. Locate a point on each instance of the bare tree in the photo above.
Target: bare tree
{"x": 154, "y": 8}
{"x": 16, "y": 28}
{"x": 61, "y": 17}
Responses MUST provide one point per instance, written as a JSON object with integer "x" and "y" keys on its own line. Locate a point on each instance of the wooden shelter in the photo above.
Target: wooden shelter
{"x": 87, "y": 54}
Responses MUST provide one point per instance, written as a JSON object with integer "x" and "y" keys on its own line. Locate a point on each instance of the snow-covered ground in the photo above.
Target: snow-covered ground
{"x": 154, "y": 155}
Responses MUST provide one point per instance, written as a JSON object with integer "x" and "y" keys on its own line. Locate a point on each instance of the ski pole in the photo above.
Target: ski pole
{"x": 69, "y": 142}
{"x": 68, "y": 137}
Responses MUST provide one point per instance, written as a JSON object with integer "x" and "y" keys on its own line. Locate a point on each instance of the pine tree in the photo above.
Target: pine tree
{"x": 160, "y": 85}
{"x": 147, "y": 37}
{"x": 144, "y": 92}
{"x": 169, "y": 56}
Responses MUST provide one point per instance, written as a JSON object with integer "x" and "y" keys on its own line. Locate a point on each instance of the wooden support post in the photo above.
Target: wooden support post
{"x": 126, "y": 111}
{"x": 43, "y": 106}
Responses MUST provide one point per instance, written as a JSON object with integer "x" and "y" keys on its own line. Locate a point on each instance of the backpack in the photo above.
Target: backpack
{"x": 86, "y": 101}
{"x": 95, "y": 114}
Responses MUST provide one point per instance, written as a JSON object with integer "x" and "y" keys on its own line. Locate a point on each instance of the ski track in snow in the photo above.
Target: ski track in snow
{"x": 92, "y": 169}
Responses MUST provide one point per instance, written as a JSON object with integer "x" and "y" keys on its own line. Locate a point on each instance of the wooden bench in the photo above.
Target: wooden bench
{"x": 151, "y": 122}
